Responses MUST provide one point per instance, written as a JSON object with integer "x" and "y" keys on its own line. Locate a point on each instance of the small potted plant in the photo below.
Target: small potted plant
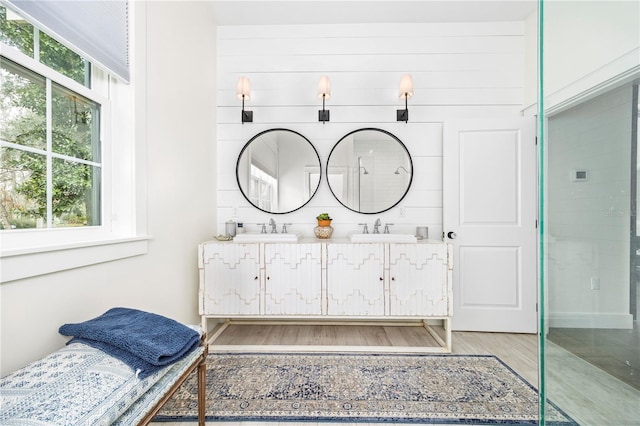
{"x": 324, "y": 219}
{"x": 324, "y": 229}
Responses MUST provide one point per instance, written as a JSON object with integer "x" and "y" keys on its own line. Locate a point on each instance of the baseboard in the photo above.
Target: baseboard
{"x": 590, "y": 320}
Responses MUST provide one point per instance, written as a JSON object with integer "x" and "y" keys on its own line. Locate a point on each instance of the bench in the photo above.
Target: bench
{"x": 81, "y": 385}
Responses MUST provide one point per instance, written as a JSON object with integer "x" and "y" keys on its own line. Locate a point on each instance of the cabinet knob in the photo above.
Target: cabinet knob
{"x": 268, "y": 278}
{"x": 255, "y": 278}
{"x": 451, "y": 235}
{"x": 393, "y": 278}
{"x": 381, "y": 279}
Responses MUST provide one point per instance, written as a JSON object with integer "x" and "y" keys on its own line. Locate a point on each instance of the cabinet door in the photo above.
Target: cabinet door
{"x": 418, "y": 280}
{"x": 230, "y": 279}
{"x": 355, "y": 279}
{"x": 293, "y": 274}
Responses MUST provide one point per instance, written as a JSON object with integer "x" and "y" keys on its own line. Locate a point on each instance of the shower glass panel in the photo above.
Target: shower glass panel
{"x": 589, "y": 233}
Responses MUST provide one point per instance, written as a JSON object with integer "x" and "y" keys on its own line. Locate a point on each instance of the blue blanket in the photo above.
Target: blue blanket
{"x": 146, "y": 342}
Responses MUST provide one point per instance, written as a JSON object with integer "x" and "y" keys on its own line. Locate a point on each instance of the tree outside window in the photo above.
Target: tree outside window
{"x": 50, "y": 155}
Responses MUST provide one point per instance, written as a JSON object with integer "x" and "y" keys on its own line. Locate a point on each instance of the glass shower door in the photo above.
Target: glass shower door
{"x": 590, "y": 340}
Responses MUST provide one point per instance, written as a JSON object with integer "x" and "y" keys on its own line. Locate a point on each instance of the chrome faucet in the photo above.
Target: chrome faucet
{"x": 272, "y": 224}
{"x": 376, "y": 225}
{"x": 386, "y": 228}
{"x": 365, "y": 230}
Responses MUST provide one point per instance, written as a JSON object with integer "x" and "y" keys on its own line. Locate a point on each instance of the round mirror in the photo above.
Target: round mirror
{"x": 369, "y": 171}
{"x": 278, "y": 171}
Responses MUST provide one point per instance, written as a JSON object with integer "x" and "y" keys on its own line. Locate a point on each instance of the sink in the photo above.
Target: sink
{"x": 291, "y": 237}
{"x": 383, "y": 238}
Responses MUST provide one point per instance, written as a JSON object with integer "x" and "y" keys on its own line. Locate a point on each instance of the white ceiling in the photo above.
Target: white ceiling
{"x": 265, "y": 12}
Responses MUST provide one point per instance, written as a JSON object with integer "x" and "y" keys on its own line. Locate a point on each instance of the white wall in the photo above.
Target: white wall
{"x": 588, "y": 221}
{"x": 587, "y": 43}
{"x": 460, "y": 70}
{"x": 181, "y": 146}
{"x": 531, "y": 62}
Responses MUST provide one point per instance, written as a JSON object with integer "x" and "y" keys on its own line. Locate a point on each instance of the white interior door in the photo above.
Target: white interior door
{"x": 489, "y": 214}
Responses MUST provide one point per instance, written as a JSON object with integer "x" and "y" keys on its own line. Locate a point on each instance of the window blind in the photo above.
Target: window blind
{"x": 95, "y": 29}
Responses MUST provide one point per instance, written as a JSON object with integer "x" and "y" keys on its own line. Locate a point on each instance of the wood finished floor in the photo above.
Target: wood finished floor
{"x": 590, "y": 396}
{"x": 322, "y": 335}
{"x": 615, "y": 351}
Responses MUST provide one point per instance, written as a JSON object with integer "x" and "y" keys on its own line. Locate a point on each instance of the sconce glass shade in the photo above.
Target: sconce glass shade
{"x": 406, "y": 87}
{"x": 324, "y": 87}
{"x": 243, "y": 89}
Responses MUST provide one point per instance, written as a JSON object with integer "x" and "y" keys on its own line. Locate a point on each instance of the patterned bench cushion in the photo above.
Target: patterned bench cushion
{"x": 77, "y": 385}
{"x": 139, "y": 409}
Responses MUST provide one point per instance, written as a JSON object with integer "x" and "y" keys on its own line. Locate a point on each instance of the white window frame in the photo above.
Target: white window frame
{"x": 122, "y": 233}
{"x": 15, "y": 238}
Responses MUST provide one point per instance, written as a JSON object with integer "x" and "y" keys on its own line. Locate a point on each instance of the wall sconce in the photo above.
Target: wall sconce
{"x": 243, "y": 92}
{"x": 324, "y": 92}
{"x": 406, "y": 91}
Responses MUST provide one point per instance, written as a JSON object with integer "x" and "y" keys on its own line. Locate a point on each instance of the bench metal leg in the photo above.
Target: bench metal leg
{"x": 202, "y": 386}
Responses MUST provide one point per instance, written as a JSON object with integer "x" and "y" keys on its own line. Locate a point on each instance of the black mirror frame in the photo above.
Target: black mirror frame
{"x": 397, "y": 140}
{"x": 249, "y": 143}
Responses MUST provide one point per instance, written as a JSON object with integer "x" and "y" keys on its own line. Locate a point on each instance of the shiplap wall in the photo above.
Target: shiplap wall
{"x": 460, "y": 71}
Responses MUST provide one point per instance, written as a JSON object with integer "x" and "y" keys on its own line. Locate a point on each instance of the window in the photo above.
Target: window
{"x": 49, "y": 151}
{"x": 68, "y": 145}
{"x": 16, "y": 32}
{"x": 262, "y": 189}
{"x": 50, "y": 155}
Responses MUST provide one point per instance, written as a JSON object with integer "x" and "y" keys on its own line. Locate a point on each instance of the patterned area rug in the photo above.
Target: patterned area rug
{"x": 446, "y": 389}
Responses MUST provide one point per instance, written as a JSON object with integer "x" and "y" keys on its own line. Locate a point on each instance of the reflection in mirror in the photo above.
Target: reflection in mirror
{"x": 278, "y": 171}
{"x": 369, "y": 170}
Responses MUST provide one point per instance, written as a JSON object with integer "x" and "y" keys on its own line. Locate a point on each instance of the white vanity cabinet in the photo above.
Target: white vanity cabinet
{"x": 259, "y": 279}
{"x": 393, "y": 280}
{"x": 293, "y": 276}
{"x": 328, "y": 282}
{"x": 230, "y": 281}
{"x": 418, "y": 284}
{"x": 355, "y": 279}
